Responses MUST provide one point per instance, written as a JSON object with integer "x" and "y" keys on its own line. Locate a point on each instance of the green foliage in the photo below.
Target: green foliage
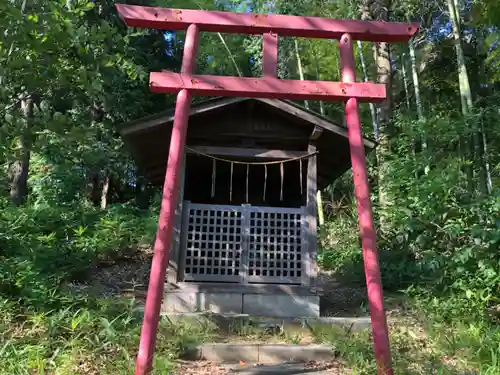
{"x": 443, "y": 241}
{"x": 86, "y": 73}
{"x": 42, "y": 248}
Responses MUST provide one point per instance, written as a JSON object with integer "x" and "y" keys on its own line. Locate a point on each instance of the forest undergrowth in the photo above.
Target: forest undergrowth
{"x": 72, "y": 199}
{"x": 446, "y": 322}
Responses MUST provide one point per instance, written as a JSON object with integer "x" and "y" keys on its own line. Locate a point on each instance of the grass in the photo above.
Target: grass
{"x": 102, "y": 338}
{"x": 420, "y": 346}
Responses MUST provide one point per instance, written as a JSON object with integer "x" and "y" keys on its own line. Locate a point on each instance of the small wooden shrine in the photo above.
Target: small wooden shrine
{"x": 245, "y": 237}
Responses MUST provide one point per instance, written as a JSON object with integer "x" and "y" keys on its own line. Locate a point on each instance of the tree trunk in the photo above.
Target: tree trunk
{"x": 231, "y": 56}
{"x": 105, "y": 190}
{"x": 365, "y": 78}
{"x": 465, "y": 90}
{"x": 321, "y": 214}
{"x": 485, "y": 159}
{"x": 481, "y": 56}
{"x": 463, "y": 77}
{"x": 411, "y": 130}
{"x": 92, "y": 187}
{"x": 19, "y": 170}
{"x": 299, "y": 67}
{"x": 418, "y": 99}
{"x": 319, "y": 199}
{"x": 416, "y": 86}
{"x": 322, "y": 108}
{"x": 384, "y": 76}
{"x": 379, "y": 11}
{"x": 405, "y": 82}
{"x": 318, "y": 77}
{"x": 478, "y": 160}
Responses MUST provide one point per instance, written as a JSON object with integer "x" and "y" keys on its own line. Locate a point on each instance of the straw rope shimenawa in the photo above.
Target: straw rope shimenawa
{"x": 248, "y": 163}
{"x": 307, "y": 156}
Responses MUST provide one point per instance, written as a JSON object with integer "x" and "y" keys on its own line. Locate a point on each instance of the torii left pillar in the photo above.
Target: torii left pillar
{"x": 166, "y": 220}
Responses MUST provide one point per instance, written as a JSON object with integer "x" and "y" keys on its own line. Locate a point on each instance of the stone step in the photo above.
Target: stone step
{"x": 271, "y": 323}
{"x": 282, "y": 369}
{"x": 310, "y": 368}
{"x": 260, "y": 353}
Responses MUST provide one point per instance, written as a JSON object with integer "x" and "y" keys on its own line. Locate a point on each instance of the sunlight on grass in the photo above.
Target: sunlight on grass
{"x": 88, "y": 341}
{"x": 458, "y": 350}
{"x": 102, "y": 338}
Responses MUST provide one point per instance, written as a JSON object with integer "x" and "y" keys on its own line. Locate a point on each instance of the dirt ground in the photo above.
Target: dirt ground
{"x": 129, "y": 276}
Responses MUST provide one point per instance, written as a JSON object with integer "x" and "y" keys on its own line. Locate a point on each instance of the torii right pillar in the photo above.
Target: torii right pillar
{"x": 365, "y": 213}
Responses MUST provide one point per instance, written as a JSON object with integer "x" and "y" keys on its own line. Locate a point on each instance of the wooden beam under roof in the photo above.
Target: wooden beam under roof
{"x": 316, "y": 133}
{"x": 246, "y": 152}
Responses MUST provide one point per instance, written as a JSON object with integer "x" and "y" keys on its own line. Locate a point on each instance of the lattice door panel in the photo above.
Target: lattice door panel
{"x": 275, "y": 245}
{"x": 213, "y": 243}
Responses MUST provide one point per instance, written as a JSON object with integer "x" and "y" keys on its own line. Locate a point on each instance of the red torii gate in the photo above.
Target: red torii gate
{"x": 185, "y": 84}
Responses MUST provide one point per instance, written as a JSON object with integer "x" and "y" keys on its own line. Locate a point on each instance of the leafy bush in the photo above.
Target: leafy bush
{"x": 442, "y": 242}
{"x": 42, "y": 247}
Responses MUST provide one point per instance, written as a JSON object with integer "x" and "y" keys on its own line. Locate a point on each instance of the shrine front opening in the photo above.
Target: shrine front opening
{"x": 246, "y": 219}
{"x": 245, "y": 233}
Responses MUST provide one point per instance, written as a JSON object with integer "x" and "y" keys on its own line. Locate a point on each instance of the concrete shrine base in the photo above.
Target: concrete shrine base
{"x": 280, "y": 301}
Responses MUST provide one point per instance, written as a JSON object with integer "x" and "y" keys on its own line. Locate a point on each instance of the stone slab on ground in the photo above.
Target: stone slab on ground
{"x": 275, "y": 305}
{"x": 186, "y": 302}
{"x": 310, "y": 368}
{"x": 351, "y": 323}
{"x": 229, "y": 353}
{"x": 281, "y": 305}
{"x": 260, "y": 353}
{"x": 270, "y": 354}
{"x": 286, "y": 369}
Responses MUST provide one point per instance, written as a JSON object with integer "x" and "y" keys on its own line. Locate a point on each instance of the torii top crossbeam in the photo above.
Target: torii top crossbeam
{"x": 271, "y": 26}
{"x": 251, "y": 23}
{"x": 187, "y": 84}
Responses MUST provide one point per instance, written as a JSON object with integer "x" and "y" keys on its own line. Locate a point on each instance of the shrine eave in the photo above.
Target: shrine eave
{"x": 147, "y": 138}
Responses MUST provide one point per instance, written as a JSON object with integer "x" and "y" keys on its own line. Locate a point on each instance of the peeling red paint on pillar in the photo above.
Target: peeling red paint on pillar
{"x": 365, "y": 215}
{"x": 270, "y": 55}
{"x": 161, "y": 254}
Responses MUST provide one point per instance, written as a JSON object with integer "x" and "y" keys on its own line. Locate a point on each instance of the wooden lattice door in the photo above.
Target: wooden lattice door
{"x": 212, "y": 243}
{"x": 243, "y": 244}
{"x": 275, "y": 244}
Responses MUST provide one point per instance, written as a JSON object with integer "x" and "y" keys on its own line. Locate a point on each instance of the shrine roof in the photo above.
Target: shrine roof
{"x": 225, "y": 122}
